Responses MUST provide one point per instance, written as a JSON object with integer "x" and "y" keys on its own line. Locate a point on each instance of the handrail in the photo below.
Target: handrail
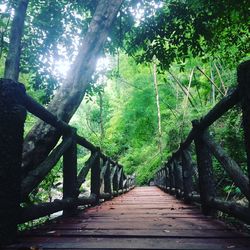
{"x": 107, "y": 176}
{"x": 214, "y": 114}
{"x": 176, "y": 174}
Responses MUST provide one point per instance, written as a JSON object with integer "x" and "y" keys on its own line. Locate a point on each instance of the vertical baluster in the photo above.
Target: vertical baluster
{"x": 204, "y": 162}
{"x": 115, "y": 181}
{"x": 167, "y": 177}
{"x": 12, "y": 118}
{"x": 155, "y": 179}
{"x": 160, "y": 178}
{"x": 121, "y": 180}
{"x": 164, "y": 178}
{"x": 95, "y": 177}
{"x": 107, "y": 180}
{"x": 172, "y": 180}
{"x": 70, "y": 173}
{"x": 128, "y": 182}
{"x": 244, "y": 85}
{"x": 178, "y": 178}
{"x": 187, "y": 175}
{"x": 102, "y": 169}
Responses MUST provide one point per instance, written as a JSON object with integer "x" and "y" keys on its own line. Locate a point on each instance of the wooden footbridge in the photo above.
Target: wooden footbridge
{"x": 144, "y": 218}
{"x": 177, "y": 214}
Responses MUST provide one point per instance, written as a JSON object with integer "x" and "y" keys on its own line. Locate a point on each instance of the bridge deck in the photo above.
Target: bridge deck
{"x": 144, "y": 218}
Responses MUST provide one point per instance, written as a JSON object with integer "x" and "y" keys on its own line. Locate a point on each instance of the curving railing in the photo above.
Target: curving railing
{"x": 178, "y": 175}
{"x": 107, "y": 176}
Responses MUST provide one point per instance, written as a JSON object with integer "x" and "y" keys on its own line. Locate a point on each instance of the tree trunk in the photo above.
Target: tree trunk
{"x": 11, "y": 70}
{"x": 42, "y": 138}
{"x": 101, "y": 120}
{"x": 158, "y": 109}
{"x": 213, "y": 88}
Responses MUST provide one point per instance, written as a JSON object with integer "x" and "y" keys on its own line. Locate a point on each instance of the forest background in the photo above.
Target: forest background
{"x": 164, "y": 64}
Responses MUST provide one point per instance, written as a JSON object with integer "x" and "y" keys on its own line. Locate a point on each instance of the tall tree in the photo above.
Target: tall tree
{"x": 157, "y": 99}
{"x": 42, "y": 138}
{"x": 100, "y": 94}
{"x": 13, "y": 58}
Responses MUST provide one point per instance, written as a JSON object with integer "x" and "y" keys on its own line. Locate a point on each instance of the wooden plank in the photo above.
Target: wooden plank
{"x": 130, "y": 243}
{"x": 143, "y": 233}
{"x": 138, "y": 225}
{"x": 142, "y": 215}
{"x": 133, "y": 221}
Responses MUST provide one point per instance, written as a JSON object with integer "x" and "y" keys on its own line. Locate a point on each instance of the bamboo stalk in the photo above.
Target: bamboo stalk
{"x": 210, "y": 80}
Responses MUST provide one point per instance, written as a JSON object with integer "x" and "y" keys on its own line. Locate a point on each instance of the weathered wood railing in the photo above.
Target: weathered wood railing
{"x": 107, "y": 176}
{"x": 177, "y": 175}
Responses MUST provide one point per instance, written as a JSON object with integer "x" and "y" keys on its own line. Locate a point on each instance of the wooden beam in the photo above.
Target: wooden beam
{"x": 83, "y": 142}
{"x": 39, "y": 111}
{"x": 119, "y": 178}
{"x": 114, "y": 177}
{"x": 195, "y": 198}
{"x": 178, "y": 179}
{"x": 105, "y": 196}
{"x": 232, "y": 208}
{"x": 43, "y": 209}
{"x": 107, "y": 180}
{"x": 243, "y": 74}
{"x": 187, "y": 174}
{"x": 95, "y": 177}
{"x": 12, "y": 118}
{"x": 216, "y": 112}
{"x": 70, "y": 173}
{"x": 166, "y": 176}
{"x": 230, "y": 166}
{"x": 171, "y": 177}
{"x": 103, "y": 170}
{"x": 37, "y": 175}
{"x": 113, "y": 171}
{"x": 84, "y": 171}
{"x": 204, "y": 162}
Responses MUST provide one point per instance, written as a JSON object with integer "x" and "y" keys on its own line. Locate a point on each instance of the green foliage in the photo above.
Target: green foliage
{"x": 197, "y": 28}
{"x": 53, "y": 30}
{"x": 130, "y": 114}
{"x": 119, "y": 112}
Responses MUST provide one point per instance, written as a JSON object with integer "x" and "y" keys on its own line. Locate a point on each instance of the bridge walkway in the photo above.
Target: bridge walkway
{"x": 144, "y": 218}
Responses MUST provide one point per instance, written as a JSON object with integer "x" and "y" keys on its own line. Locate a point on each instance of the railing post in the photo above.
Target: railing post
{"x": 178, "y": 179}
{"x": 133, "y": 180}
{"x": 128, "y": 182}
{"x": 121, "y": 181}
{"x": 103, "y": 167}
{"x": 164, "y": 178}
{"x": 187, "y": 174}
{"x": 70, "y": 173}
{"x": 12, "y": 118}
{"x": 204, "y": 162}
{"x": 243, "y": 74}
{"x": 107, "y": 180}
{"x": 156, "y": 179}
{"x": 95, "y": 177}
{"x": 167, "y": 176}
{"x": 171, "y": 178}
{"x": 160, "y": 178}
{"x": 115, "y": 182}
